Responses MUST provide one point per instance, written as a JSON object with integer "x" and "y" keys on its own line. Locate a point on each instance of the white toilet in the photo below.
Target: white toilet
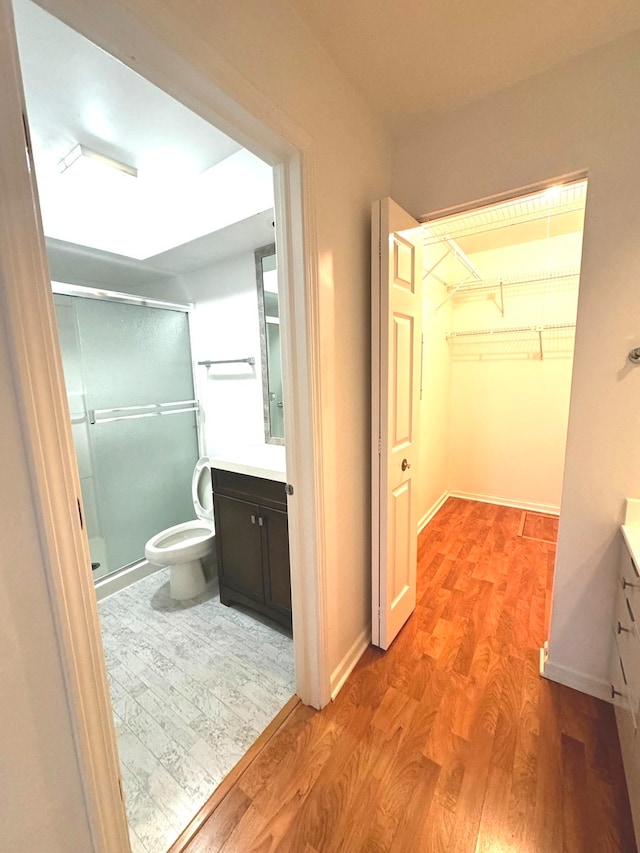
{"x": 183, "y": 546}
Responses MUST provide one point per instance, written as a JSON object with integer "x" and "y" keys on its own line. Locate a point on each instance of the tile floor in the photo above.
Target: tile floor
{"x": 192, "y": 684}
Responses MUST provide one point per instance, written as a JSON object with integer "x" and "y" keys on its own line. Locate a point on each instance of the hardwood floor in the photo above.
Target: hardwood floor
{"x": 450, "y": 741}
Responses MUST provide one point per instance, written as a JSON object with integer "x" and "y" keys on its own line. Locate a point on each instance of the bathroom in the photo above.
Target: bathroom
{"x": 193, "y": 682}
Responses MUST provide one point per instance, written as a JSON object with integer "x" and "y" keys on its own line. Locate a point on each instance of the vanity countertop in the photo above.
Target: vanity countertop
{"x": 258, "y": 460}
{"x": 631, "y": 529}
{"x": 632, "y": 540}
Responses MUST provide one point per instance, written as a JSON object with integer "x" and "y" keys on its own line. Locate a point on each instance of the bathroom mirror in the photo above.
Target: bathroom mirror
{"x": 267, "y": 281}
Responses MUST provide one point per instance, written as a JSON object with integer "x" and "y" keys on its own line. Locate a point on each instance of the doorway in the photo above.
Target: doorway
{"x": 76, "y": 624}
{"x": 500, "y": 297}
{"x": 129, "y": 207}
{"x": 499, "y": 304}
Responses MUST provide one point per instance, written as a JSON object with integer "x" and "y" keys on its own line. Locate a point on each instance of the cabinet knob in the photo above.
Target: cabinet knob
{"x": 621, "y": 628}
{"x": 405, "y": 465}
{"x": 253, "y": 519}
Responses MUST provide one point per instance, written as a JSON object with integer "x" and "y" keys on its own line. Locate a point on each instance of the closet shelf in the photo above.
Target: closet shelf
{"x": 503, "y": 330}
{"x": 535, "y": 332}
{"x": 560, "y": 276}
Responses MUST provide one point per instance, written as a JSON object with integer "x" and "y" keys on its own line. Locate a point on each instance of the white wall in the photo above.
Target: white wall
{"x": 225, "y": 324}
{"x": 509, "y": 426}
{"x": 510, "y": 409}
{"x": 435, "y": 405}
{"x": 580, "y": 116}
{"x": 41, "y": 807}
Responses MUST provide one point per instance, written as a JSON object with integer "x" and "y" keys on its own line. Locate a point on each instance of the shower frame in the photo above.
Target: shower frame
{"x": 138, "y": 569}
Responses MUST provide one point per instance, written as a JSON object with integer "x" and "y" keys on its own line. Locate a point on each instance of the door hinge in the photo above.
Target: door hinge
{"x": 80, "y": 514}
{"x": 379, "y": 445}
{"x": 288, "y": 489}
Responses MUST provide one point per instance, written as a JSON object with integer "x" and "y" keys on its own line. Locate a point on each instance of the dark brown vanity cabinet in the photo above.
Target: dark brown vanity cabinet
{"x": 252, "y": 543}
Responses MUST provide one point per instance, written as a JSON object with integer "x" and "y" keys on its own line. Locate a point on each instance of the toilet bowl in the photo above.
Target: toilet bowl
{"x": 182, "y": 547}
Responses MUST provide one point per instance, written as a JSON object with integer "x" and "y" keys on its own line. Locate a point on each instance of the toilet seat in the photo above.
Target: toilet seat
{"x": 189, "y": 537}
{"x": 201, "y": 490}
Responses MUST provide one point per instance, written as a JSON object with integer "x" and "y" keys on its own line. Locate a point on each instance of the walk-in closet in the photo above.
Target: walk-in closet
{"x": 500, "y": 301}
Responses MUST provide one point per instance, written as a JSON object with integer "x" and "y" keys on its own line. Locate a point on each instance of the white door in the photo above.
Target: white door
{"x": 395, "y": 335}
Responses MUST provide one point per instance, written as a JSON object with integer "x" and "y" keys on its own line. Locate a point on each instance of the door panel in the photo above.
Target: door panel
{"x": 400, "y": 543}
{"x": 135, "y": 469}
{"x": 402, "y": 411}
{"x": 396, "y": 323}
{"x": 238, "y": 537}
{"x": 276, "y": 559}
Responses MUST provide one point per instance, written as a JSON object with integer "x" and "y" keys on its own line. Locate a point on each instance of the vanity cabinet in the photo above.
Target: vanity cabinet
{"x": 625, "y": 675}
{"x": 252, "y": 543}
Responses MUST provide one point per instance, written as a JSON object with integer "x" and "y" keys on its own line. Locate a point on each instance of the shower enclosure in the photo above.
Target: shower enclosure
{"x": 129, "y": 378}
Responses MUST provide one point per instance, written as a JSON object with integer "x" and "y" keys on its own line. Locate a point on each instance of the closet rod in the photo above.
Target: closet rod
{"x": 251, "y": 360}
{"x": 510, "y": 329}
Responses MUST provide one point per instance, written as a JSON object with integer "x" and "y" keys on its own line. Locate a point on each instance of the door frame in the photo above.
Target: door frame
{"x": 223, "y": 97}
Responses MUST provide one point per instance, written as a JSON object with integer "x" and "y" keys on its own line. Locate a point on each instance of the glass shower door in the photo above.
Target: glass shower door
{"x": 134, "y": 421}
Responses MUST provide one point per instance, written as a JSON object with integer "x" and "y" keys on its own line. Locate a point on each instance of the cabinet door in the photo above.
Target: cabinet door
{"x": 275, "y": 533}
{"x": 239, "y": 546}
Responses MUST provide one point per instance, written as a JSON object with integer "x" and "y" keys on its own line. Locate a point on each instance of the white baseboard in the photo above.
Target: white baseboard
{"x": 346, "y": 665}
{"x": 597, "y": 687}
{"x": 426, "y": 518}
{"x": 549, "y": 509}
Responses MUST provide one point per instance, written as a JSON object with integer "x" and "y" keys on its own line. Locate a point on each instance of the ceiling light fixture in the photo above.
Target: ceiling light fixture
{"x": 79, "y": 152}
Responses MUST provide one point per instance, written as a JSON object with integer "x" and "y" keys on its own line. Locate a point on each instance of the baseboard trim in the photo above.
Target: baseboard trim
{"x": 549, "y": 509}
{"x": 426, "y": 518}
{"x": 597, "y": 687}
{"x": 346, "y": 665}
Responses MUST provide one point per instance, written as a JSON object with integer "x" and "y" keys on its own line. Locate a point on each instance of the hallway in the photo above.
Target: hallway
{"x": 450, "y": 741}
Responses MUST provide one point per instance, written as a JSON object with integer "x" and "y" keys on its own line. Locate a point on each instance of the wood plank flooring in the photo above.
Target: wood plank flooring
{"x": 193, "y": 684}
{"x": 450, "y": 741}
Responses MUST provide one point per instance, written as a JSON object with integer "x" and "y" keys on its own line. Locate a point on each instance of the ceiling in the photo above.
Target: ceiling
{"x": 192, "y": 179}
{"x": 410, "y": 56}
{"x": 75, "y": 264}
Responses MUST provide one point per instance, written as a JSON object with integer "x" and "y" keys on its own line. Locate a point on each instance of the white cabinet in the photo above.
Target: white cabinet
{"x": 625, "y": 673}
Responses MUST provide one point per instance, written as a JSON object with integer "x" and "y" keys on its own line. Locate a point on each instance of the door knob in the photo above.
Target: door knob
{"x": 405, "y": 464}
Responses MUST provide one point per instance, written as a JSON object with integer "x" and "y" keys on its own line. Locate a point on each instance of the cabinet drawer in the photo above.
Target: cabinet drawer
{"x": 630, "y": 585}
{"x": 245, "y": 487}
{"x": 628, "y": 650}
{"x": 620, "y": 690}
